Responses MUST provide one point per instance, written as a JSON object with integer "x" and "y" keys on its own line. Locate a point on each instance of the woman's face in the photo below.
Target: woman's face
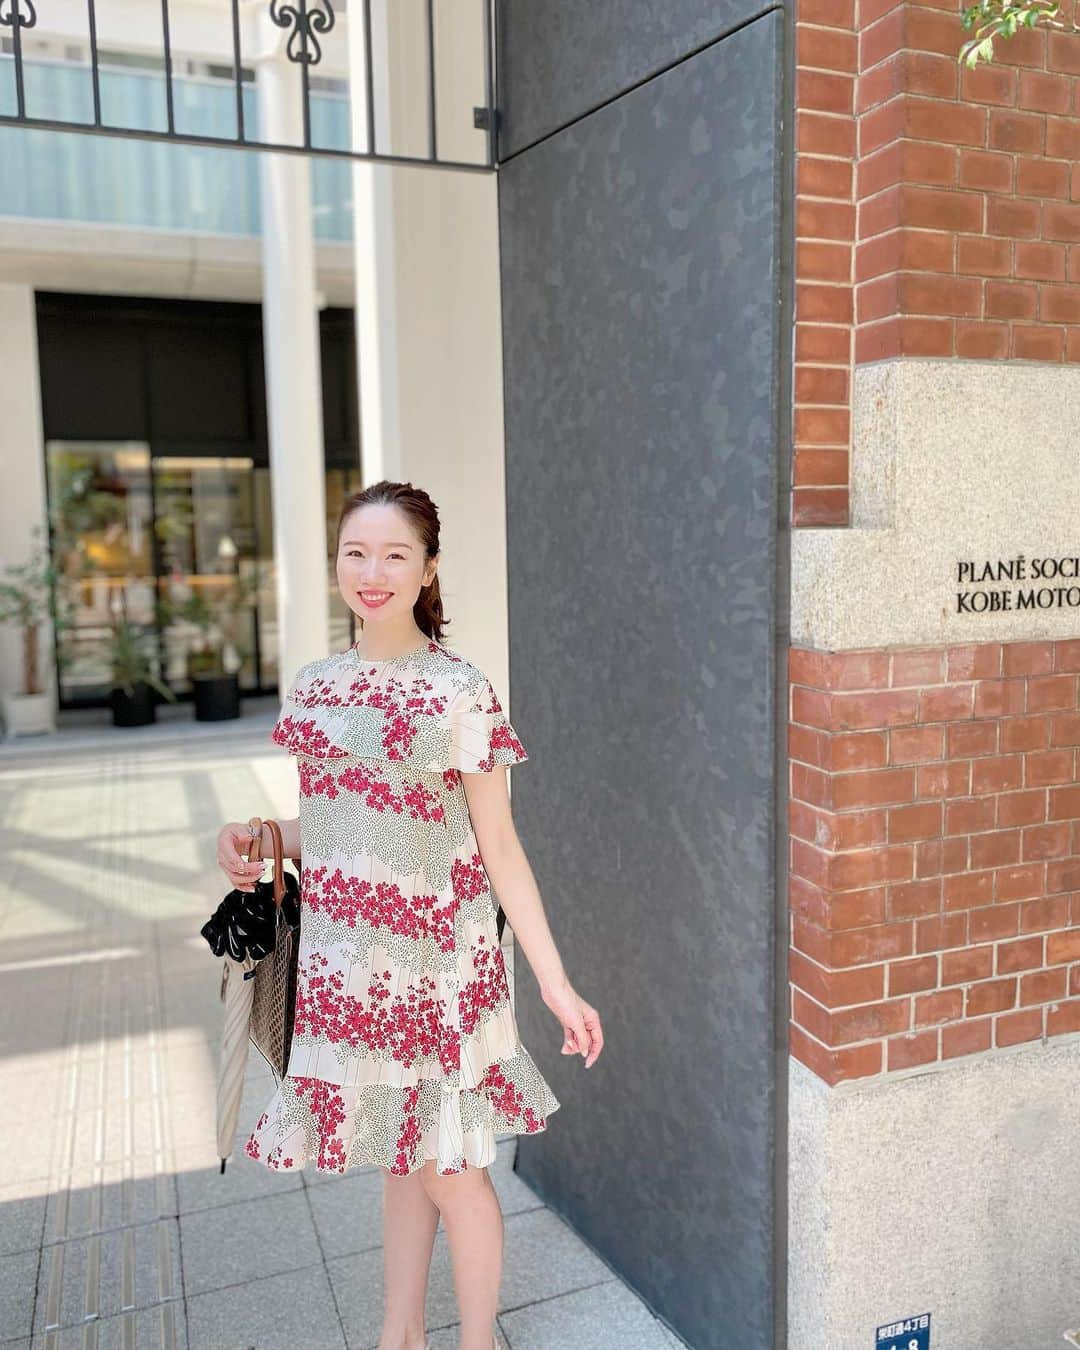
{"x": 381, "y": 566}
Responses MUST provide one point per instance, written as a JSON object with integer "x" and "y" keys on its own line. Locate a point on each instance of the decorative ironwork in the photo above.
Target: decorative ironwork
{"x": 303, "y": 45}
{"x": 11, "y": 15}
{"x": 307, "y": 21}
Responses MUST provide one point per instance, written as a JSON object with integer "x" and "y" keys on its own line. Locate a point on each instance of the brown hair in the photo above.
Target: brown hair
{"x": 423, "y": 516}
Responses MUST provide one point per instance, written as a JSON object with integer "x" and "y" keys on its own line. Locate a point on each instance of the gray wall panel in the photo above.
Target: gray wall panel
{"x": 639, "y": 276}
{"x": 556, "y": 60}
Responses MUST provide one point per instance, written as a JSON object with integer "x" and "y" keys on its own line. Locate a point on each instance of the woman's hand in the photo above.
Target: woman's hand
{"x": 582, "y": 1033}
{"x": 233, "y": 840}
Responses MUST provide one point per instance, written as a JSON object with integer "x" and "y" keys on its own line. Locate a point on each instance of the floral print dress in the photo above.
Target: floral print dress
{"x": 405, "y": 1046}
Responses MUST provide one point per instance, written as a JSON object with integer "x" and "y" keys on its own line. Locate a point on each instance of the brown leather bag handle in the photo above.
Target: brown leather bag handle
{"x": 278, "y": 845}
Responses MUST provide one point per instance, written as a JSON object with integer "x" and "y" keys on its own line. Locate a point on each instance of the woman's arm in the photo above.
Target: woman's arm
{"x": 290, "y": 838}
{"x": 510, "y": 873}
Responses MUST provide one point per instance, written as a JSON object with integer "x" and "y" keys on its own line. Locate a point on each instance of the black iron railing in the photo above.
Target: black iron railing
{"x": 306, "y": 21}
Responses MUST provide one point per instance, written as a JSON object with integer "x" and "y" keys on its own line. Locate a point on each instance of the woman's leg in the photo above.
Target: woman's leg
{"x": 474, "y": 1229}
{"x": 409, "y": 1223}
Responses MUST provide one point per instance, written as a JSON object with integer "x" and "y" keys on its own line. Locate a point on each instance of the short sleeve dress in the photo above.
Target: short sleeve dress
{"x": 405, "y": 1046}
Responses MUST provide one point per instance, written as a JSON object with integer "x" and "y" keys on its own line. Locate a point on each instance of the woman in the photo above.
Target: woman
{"x": 406, "y": 1051}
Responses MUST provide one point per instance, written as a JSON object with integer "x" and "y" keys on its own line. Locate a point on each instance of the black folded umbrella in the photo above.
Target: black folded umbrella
{"x": 244, "y": 923}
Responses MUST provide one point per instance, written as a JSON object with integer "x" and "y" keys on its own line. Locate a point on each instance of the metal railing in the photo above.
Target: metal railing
{"x": 306, "y": 21}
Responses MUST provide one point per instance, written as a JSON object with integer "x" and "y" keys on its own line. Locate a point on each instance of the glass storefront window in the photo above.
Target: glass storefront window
{"x": 182, "y": 547}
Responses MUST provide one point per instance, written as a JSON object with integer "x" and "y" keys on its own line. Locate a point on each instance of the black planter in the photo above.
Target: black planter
{"x": 133, "y": 710}
{"x": 216, "y": 697}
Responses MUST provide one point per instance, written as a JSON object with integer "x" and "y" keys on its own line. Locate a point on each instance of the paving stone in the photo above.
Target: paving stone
{"x": 603, "y": 1317}
{"x": 289, "y": 1311}
{"x": 22, "y": 1215}
{"x": 18, "y": 1272}
{"x": 160, "y": 1328}
{"x": 234, "y": 1243}
{"x": 107, "y": 1273}
{"x": 543, "y": 1258}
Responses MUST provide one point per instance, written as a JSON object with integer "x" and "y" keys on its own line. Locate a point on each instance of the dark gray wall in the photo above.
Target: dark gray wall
{"x": 640, "y": 287}
{"x": 558, "y": 60}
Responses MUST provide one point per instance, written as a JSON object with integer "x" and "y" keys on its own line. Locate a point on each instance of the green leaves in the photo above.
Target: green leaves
{"x": 998, "y": 18}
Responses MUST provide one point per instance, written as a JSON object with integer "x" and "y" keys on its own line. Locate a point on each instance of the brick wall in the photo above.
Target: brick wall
{"x": 935, "y": 852}
{"x": 937, "y": 210}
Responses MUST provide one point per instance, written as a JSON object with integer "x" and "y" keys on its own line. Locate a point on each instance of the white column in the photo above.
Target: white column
{"x": 291, "y": 356}
{"x": 428, "y": 324}
{"x": 378, "y": 376}
{"x": 23, "y": 502}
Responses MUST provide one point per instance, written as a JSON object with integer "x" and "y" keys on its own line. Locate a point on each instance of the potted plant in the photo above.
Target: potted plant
{"x": 215, "y": 657}
{"x": 134, "y": 680}
{"x": 27, "y": 599}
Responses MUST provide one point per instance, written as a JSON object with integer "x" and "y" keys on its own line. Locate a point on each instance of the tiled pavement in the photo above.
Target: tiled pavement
{"x": 116, "y": 1227}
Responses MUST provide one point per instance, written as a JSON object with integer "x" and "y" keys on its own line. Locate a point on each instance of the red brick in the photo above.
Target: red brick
{"x": 966, "y": 1038}
{"x": 822, "y": 426}
{"x": 1023, "y": 954}
{"x": 1017, "y": 1027}
{"x": 825, "y": 48}
{"x": 909, "y": 745}
{"x": 964, "y": 967}
{"x": 1063, "y": 1017}
{"x": 880, "y": 126}
{"x": 970, "y": 814}
{"x": 931, "y": 119}
{"x": 1065, "y": 729}
{"x": 878, "y": 298}
{"x": 1061, "y": 222}
{"x": 946, "y": 703}
{"x": 1043, "y": 93}
{"x": 982, "y": 256}
{"x": 990, "y": 996}
{"x": 1000, "y": 698}
{"x": 881, "y": 84}
{"x": 1047, "y": 841}
{"x": 816, "y": 260}
{"x": 982, "y": 341}
{"x": 943, "y": 780}
{"x": 833, "y": 1066}
{"x": 821, "y": 384}
{"x": 914, "y": 899}
{"x": 817, "y": 176}
{"x": 1062, "y": 138}
{"x": 940, "y": 932}
{"x": 831, "y": 13}
{"x": 1042, "y": 178}
{"x": 816, "y": 343}
{"x": 1063, "y": 947}
{"x": 989, "y": 84}
{"x": 933, "y": 164}
{"x": 1025, "y": 733}
{"x": 824, "y": 92}
{"x": 996, "y": 773}
{"x": 996, "y": 848}
{"x": 917, "y": 665}
{"x": 1052, "y": 766}
{"x": 884, "y": 168}
{"x": 1021, "y": 808}
{"x": 923, "y": 293}
{"x": 974, "y": 661}
{"x": 1010, "y": 300}
{"x": 821, "y": 467}
{"x": 938, "y": 209}
{"x": 906, "y": 1052}
{"x": 967, "y": 890}
{"x": 945, "y": 1005}
{"x": 1033, "y": 343}
{"x": 923, "y": 73}
{"x": 1040, "y": 261}
{"x": 1060, "y": 304}
{"x": 1022, "y": 132}
{"x": 993, "y": 923}
{"x": 1023, "y": 882}
{"x": 986, "y": 170}
{"x": 1040, "y": 986}
{"x": 1062, "y": 53}
{"x": 916, "y": 975}
{"x": 820, "y": 506}
{"x": 818, "y": 134}
{"x": 825, "y": 304}
{"x": 1017, "y": 219}
{"x": 880, "y": 39}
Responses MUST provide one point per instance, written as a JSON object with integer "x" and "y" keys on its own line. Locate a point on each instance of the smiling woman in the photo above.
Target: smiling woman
{"x": 406, "y": 1051}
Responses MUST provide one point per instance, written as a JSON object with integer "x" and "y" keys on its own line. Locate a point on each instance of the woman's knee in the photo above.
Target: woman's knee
{"x": 445, "y": 1189}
